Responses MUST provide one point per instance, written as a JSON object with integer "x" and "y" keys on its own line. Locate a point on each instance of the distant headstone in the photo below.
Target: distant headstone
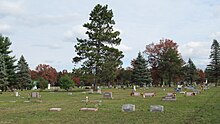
{"x": 70, "y": 93}
{"x": 149, "y": 95}
{"x": 90, "y": 91}
{"x": 134, "y": 88}
{"x": 128, "y": 108}
{"x": 35, "y": 95}
{"x": 107, "y": 95}
{"x": 170, "y": 94}
{"x": 88, "y": 109}
{"x": 136, "y": 94}
{"x": 156, "y": 108}
{"x": 48, "y": 86}
{"x": 16, "y": 94}
{"x": 169, "y": 98}
{"x": 190, "y": 94}
{"x": 55, "y": 109}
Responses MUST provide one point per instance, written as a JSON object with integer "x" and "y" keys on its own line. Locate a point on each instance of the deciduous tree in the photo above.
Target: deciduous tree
{"x": 47, "y": 72}
{"x": 164, "y": 59}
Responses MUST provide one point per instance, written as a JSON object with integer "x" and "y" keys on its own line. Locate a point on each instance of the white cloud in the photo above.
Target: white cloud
{"x": 10, "y": 8}
{"x": 195, "y": 49}
{"x": 51, "y": 46}
{"x": 215, "y": 35}
{"x": 5, "y": 28}
{"x": 76, "y": 32}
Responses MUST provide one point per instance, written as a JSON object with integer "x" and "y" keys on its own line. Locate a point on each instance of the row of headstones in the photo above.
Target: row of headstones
{"x": 131, "y": 108}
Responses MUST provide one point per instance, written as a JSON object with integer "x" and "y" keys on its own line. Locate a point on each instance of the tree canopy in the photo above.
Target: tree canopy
{"x": 98, "y": 52}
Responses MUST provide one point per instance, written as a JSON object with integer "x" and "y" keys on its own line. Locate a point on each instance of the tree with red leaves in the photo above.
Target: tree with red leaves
{"x": 165, "y": 60}
{"x": 48, "y": 73}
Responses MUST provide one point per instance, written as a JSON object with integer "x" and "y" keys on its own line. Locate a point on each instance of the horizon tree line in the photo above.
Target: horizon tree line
{"x": 159, "y": 64}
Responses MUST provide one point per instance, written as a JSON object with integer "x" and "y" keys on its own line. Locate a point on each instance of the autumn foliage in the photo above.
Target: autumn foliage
{"x": 45, "y": 71}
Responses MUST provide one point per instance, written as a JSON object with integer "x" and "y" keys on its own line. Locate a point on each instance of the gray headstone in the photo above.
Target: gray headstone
{"x": 35, "y": 95}
{"x": 156, "y": 108}
{"x": 107, "y": 95}
{"x": 128, "y": 108}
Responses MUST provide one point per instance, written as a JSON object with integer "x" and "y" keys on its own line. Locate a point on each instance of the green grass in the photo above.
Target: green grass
{"x": 201, "y": 109}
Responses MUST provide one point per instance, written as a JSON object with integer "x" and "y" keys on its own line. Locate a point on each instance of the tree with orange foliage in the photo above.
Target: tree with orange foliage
{"x": 165, "y": 60}
{"x": 47, "y": 72}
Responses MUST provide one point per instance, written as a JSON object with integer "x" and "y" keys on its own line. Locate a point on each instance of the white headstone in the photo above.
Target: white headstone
{"x": 128, "y": 108}
{"x": 134, "y": 88}
{"x": 16, "y": 94}
{"x": 48, "y": 87}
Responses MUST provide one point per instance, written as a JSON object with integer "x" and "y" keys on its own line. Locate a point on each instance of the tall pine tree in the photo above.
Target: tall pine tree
{"x": 3, "y": 75}
{"x": 140, "y": 74}
{"x": 100, "y": 45}
{"x": 23, "y": 74}
{"x": 191, "y": 71}
{"x": 213, "y": 69}
{"x": 9, "y": 60}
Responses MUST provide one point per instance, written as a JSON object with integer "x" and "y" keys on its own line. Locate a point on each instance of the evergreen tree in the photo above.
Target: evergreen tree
{"x": 191, "y": 71}
{"x": 140, "y": 73}
{"x": 3, "y": 75}
{"x": 213, "y": 69}
{"x": 9, "y": 60}
{"x": 23, "y": 74}
{"x": 98, "y": 49}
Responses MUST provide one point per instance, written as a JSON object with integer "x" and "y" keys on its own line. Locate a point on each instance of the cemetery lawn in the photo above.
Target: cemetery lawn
{"x": 203, "y": 108}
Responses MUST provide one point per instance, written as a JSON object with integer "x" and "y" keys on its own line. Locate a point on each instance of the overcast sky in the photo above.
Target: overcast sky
{"x": 45, "y": 31}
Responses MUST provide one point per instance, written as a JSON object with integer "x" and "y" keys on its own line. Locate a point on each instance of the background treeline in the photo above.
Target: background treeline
{"x": 158, "y": 64}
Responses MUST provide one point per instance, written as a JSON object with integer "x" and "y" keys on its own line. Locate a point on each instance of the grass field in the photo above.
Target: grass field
{"x": 201, "y": 109}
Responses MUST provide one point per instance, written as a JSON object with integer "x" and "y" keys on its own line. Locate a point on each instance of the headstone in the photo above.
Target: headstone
{"x": 99, "y": 90}
{"x": 156, "y": 108}
{"x": 107, "y": 95}
{"x": 90, "y": 91}
{"x": 190, "y": 94}
{"x": 88, "y": 109}
{"x": 169, "y": 98}
{"x": 170, "y": 94}
{"x": 16, "y": 94}
{"x": 134, "y": 88}
{"x": 149, "y": 95}
{"x": 136, "y": 94}
{"x": 35, "y": 95}
{"x": 128, "y": 108}
{"x": 70, "y": 93}
{"x": 55, "y": 109}
{"x": 48, "y": 86}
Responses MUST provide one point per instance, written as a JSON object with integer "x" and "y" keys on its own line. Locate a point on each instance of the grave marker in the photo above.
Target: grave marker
{"x": 136, "y": 94}
{"x": 156, "y": 108}
{"x": 35, "y": 95}
{"x": 128, "y": 108}
{"x": 149, "y": 95}
{"x": 55, "y": 109}
{"x": 107, "y": 95}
